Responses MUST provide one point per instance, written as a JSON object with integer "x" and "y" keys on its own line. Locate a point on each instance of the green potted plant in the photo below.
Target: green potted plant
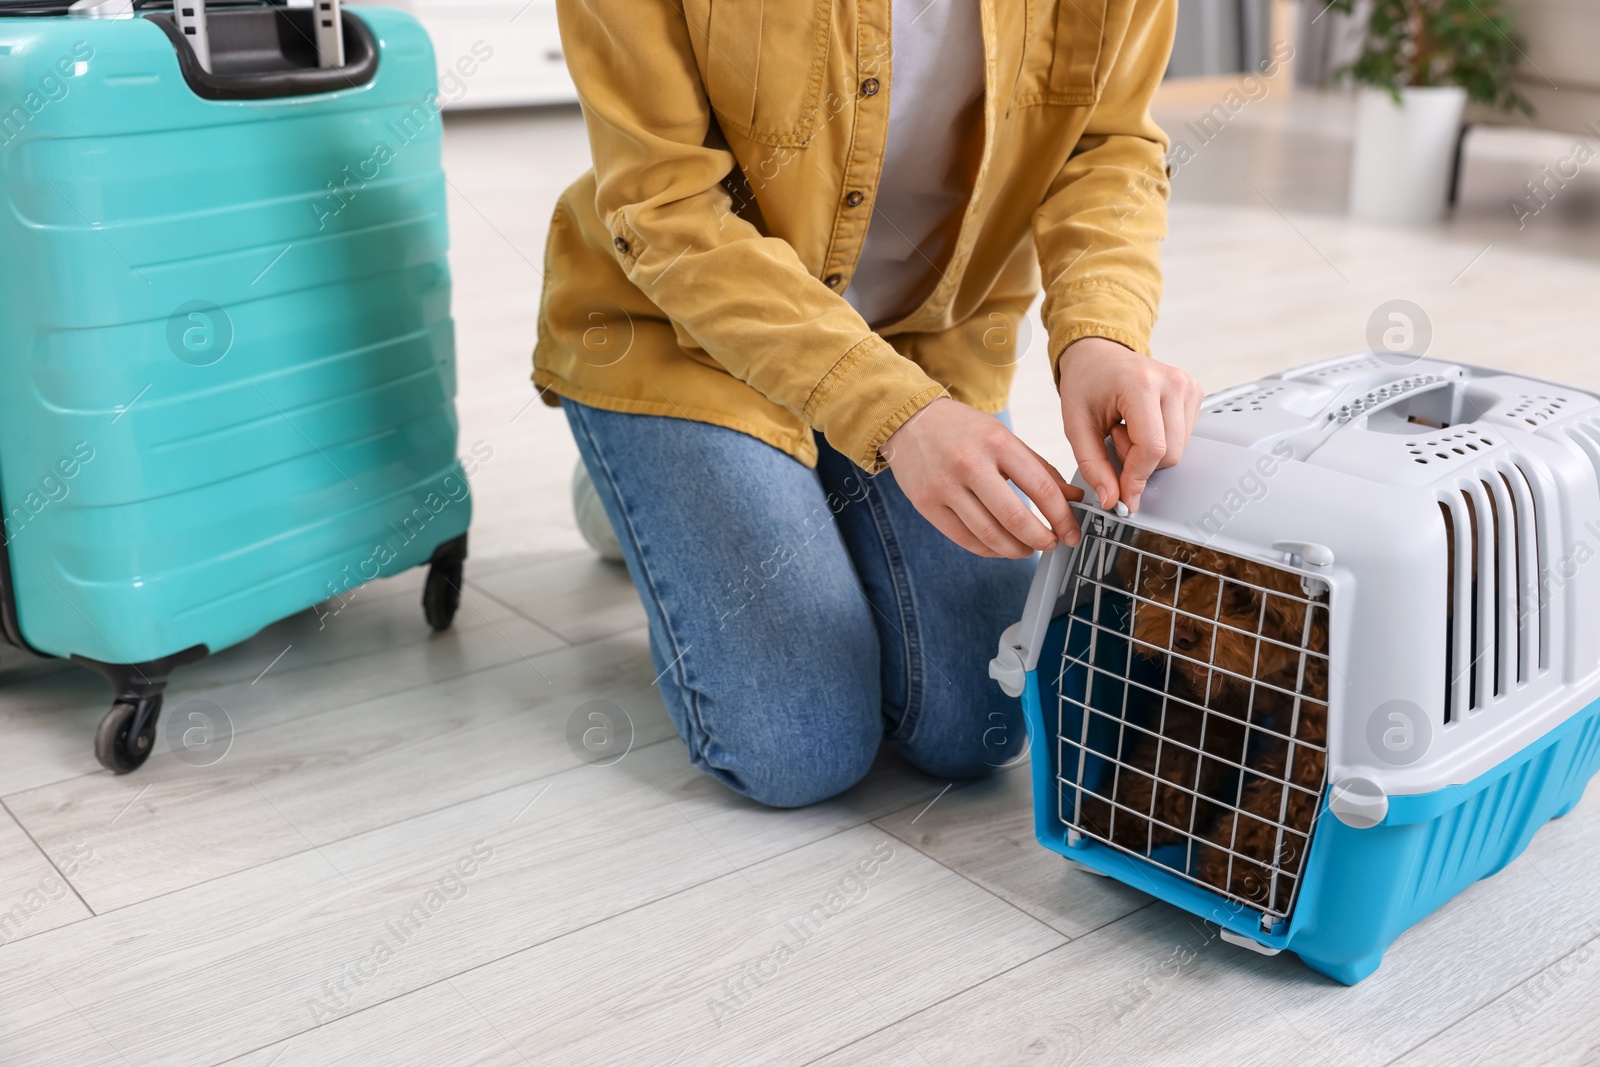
{"x": 1421, "y": 61}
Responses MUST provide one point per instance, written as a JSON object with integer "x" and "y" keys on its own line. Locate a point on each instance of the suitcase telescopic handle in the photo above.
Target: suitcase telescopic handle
{"x": 330, "y": 35}
{"x": 264, "y": 51}
{"x": 190, "y": 17}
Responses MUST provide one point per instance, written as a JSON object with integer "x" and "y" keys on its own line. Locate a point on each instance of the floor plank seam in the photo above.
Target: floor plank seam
{"x": 332, "y": 841}
{"x": 525, "y": 617}
{"x": 51, "y": 861}
{"x": 100, "y": 772}
{"x": 929, "y": 1007}
{"x": 735, "y": 872}
{"x": 954, "y": 787}
{"x": 999, "y": 974}
{"x": 1066, "y": 938}
{"x": 1492, "y": 1001}
{"x": 863, "y": 821}
{"x": 48, "y": 667}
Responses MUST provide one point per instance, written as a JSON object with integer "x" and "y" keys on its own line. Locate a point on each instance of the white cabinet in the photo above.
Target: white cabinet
{"x": 493, "y": 53}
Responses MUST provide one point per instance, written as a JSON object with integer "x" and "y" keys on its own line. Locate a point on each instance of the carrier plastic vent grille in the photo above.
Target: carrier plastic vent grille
{"x": 1251, "y": 401}
{"x": 1348, "y": 367}
{"x": 1496, "y": 633}
{"x": 1587, "y": 436}
{"x": 1193, "y": 715}
{"x": 1536, "y": 410}
{"x": 1361, "y": 404}
{"x": 1449, "y": 447}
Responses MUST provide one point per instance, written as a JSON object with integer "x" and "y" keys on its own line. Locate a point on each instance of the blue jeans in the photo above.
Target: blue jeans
{"x": 799, "y": 617}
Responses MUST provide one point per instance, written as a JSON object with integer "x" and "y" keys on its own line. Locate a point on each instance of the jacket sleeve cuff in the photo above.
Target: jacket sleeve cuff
{"x": 1100, "y": 309}
{"x": 869, "y": 394}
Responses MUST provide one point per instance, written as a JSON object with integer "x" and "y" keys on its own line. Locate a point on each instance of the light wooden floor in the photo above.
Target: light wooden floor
{"x": 401, "y": 860}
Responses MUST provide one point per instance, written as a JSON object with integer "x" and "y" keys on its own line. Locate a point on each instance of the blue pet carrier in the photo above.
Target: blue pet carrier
{"x": 1344, "y": 662}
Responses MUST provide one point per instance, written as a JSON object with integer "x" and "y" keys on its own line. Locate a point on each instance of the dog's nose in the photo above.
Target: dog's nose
{"x": 1186, "y": 638}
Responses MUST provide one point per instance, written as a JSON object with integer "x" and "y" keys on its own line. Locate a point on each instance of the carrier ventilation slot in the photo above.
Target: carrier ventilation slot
{"x": 1250, "y": 401}
{"x": 1496, "y": 635}
{"x": 1348, "y": 367}
{"x": 1449, "y": 448}
{"x": 1536, "y": 409}
{"x": 1587, "y": 437}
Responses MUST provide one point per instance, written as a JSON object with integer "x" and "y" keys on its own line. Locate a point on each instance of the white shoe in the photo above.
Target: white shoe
{"x": 593, "y": 522}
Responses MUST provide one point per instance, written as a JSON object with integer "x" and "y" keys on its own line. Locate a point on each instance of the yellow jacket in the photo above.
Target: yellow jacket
{"x": 696, "y": 270}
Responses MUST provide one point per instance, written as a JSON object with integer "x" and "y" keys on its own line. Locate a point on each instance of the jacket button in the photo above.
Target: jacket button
{"x": 854, "y": 199}
{"x": 832, "y": 281}
{"x": 869, "y": 87}
{"x": 621, "y": 245}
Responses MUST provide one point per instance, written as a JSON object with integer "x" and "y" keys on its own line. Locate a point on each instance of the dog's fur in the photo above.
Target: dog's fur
{"x": 1197, "y": 753}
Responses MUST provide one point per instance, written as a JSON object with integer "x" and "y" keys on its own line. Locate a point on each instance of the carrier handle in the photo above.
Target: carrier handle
{"x": 1306, "y": 441}
{"x": 1389, "y": 395}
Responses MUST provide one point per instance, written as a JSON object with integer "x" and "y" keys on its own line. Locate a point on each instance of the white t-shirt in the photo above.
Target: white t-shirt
{"x": 935, "y": 111}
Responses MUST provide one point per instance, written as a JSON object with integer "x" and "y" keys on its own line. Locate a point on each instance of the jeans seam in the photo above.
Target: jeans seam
{"x": 678, "y": 666}
{"x": 906, "y": 604}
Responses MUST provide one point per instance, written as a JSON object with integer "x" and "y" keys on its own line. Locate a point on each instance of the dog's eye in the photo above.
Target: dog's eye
{"x": 1238, "y": 598}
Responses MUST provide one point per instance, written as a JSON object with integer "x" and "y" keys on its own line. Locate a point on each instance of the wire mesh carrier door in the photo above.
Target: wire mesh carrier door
{"x": 1192, "y": 711}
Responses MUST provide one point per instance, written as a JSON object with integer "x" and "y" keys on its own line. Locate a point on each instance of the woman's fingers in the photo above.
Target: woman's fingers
{"x": 1175, "y": 423}
{"x": 953, "y": 463}
{"x": 1051, "y": 493}
{"x": 1147, "y": 408}
{"x": 976, "y": 515}
{"x": 1007, "y": 507}
{"x": 949, "y": 523}
{"x": 1088, "y": 441}
{"x": 1147, "y": 444}
{"x": 1120, "y": 442}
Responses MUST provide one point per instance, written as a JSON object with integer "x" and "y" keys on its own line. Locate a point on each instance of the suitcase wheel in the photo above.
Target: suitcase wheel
{"x": 441, "y": 596}
{"x": 127, "y": 734}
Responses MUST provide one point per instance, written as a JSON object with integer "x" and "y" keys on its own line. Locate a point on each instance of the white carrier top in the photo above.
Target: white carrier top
{"x": 1387, "y": 478}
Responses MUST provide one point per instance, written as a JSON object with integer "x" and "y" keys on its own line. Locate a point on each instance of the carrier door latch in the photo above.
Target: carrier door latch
{"x": 1307, "y": 553}
{"x": 1008, "y": 667}
{"x": 1359, "y": 803}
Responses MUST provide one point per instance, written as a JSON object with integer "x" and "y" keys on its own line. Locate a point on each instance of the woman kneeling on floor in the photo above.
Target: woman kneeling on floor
{"x": 781, "y": 314}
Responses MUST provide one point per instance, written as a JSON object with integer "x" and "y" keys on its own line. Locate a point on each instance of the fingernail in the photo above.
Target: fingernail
{"x": 1072, "y": 538}
{"x": 1133, "y": 502}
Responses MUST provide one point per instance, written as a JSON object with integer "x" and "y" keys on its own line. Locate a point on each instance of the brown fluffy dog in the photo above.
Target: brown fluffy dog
{"x": 1196, "y": 759}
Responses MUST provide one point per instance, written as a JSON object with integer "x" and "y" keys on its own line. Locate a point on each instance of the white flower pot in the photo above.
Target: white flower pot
{"x": 1400, "y": 169}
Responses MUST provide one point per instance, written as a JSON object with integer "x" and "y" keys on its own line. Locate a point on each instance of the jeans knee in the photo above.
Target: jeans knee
{"x": 799, "y": 769}
{"x": 969, "y": 745}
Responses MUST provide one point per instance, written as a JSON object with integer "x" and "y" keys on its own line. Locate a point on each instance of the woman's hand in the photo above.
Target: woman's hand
{"x": 952, "y": 462}
{"x": 1148, "y": 408}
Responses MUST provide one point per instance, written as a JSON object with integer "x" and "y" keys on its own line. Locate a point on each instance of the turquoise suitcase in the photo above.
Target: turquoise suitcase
{"x": 226, "y": 349}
